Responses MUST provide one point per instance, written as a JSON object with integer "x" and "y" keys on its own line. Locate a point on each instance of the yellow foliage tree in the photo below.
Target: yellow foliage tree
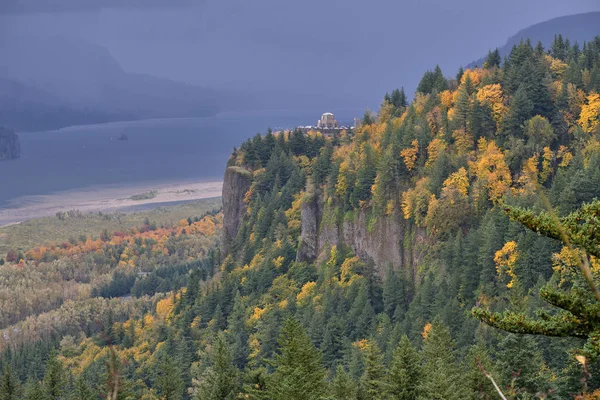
{"x": 557, "y": 67}
{"x": 307, "y": 292}
{"x": 410, "y": 155}
{"x": 447, "y": 99}
{"x": 415, "y": 202}
{"x": 590, "y": 113}
{"x": 506, "y": 259}
{"x": 463, "y": 141}
{"x": 493, "y": 96}
{"x": 436, "y": 147}
{"x": 459, "y": 181}
{"x": 164, "y": 307}
{"x": 491, "y": 168}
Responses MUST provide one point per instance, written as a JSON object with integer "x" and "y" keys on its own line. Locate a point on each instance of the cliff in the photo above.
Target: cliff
{"x": 386, "y": 240}
{"x": 383, "y": 241}
{"x": 236, "y": 183}
{"x": 9, "y": 144}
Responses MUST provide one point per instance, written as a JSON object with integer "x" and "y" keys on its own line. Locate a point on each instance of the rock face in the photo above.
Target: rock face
{"x": 386, "y": 240}
{"x": 9, "y": 144}
{"x": 308, "y": 248}
{"x": 236, "y": 183}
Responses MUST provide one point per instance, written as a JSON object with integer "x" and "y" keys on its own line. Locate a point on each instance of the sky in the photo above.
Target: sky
{"x": 355, "y": 49}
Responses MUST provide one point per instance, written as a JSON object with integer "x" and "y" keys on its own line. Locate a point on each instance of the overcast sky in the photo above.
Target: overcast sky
{"x": 361, "y": 49}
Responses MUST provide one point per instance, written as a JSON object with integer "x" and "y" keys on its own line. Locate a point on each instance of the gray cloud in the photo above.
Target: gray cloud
{"x": 8, "y": 7}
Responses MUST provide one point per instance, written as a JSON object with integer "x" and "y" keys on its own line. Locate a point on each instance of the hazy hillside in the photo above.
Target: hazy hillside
{"x": 578, "y": 28}
{"x": 53, "y": 82}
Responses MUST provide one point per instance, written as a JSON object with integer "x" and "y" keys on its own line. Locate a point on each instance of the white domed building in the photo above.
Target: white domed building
{"x": 327, "y": 121}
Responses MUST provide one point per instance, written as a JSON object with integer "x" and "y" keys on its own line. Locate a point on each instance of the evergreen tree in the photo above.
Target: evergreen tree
{"x": 169, "y": 382}
{"x": 492, "y": 59}
{"x": 82, "y": 390}
{"x": 10, "y": 388}
{"x": 34, "y": 390}
{"x": 405, "y": 372}
{"x": 332, "y": 344}
{"x": 373, "y": 384}
{"x": 55, "y": 381}
{"x": 477, "y": 362}
{"x": 220, "y": 379}
{"x": 519, "y": 111}
{"x": 342, "y": 387}
{"x": 441, "y": 374}
{"x": 519, "y": 364}
{"x": 298, "y": 374}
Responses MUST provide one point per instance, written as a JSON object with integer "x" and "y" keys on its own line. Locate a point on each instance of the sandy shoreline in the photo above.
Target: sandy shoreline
{"x": 107, "y": 199}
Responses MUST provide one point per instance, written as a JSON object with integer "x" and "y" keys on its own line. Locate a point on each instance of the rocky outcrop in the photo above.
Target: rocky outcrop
{"x": 308, "y": 246}
{"x": 236, "y": 183}
{"x": 384, "y": 240}
{"x": 9, "y": 144}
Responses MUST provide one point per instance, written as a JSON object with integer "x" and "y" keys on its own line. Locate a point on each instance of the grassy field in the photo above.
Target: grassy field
{"x": 35, "y": 232}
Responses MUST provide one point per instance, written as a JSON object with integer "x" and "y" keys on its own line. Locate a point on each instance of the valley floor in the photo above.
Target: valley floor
{"x": 102, "y": 198}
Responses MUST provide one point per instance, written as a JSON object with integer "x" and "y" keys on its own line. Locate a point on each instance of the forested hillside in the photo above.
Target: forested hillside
{"x": 361, "y": 266}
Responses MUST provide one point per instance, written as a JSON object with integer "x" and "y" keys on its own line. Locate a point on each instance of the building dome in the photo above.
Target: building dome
{"x": 327, "y": 121}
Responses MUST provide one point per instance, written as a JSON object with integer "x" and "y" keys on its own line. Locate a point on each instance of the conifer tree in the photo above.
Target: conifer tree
{"x": 220, "y": 378}
{"x": 34, "y": 390}
{"x": 10, "y": 388}
{"x": 520, "y": 365}
{"x": 54, "y": 379}
{"x": 169, "y": 382}
{"x": 519, "y": 111}
{"x": 373, "y": 384}
{"x": 342, "y": 387}
{"x": 493, "y": 59}
{"x": 478, "y": 362}
{"x": 82, "y": 391}
{"x": 441, "y": 374}
{"x": 576, "y": 297}
{"x": 298, "y": 374}
{"x": 405, "y": 372}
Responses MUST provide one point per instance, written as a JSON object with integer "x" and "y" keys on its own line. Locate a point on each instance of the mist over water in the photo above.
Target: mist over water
{"x": 167, "y": 150}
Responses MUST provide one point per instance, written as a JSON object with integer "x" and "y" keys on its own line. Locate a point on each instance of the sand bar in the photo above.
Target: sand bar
{"x": 107, "y": 198}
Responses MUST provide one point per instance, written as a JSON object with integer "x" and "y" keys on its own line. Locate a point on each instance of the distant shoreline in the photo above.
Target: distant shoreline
{"x": 101, "y": 198}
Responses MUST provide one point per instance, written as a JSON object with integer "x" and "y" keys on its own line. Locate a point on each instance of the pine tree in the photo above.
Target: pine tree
{"x": 519, "y": 364}
{"x": 342, "y": 387}
{"x": 519, "y": 111}
{"x": 298, "y": 374}
{"x": 10, "y": 388}
{"x": 82, "y": 390}
{"x": 332, "y": 344}
{"x": 441, "y": 374}
{"x": 405, "y": 372}
{"x": 576, "y": 298}
{"x": 54, "y": 379}
{"x": 169, "y": 382}
{"x": 34, "y": 390}
{"x": 477, "y": 362}
{"x": 220, "y": 379}
{"x": 493, "y": 59}
{"x": 373, "y": 384}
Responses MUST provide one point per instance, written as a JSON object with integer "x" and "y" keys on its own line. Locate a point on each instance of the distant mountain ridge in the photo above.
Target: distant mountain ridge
{"x": 53, "y": 82}
{"x": 577, "y": 28}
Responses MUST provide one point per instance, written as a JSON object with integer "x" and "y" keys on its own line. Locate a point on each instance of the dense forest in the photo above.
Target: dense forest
{"x": 492, "y": 178}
